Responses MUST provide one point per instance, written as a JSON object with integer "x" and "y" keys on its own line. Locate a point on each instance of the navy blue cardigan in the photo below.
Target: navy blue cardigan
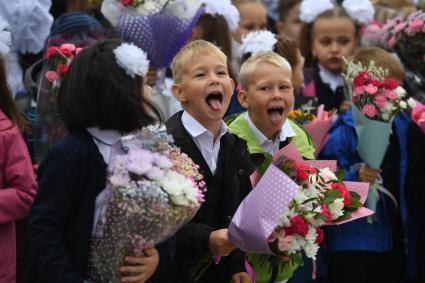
{"x": 61, "y": 219}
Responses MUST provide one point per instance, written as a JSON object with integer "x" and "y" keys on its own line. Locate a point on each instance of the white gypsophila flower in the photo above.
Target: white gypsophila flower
{"x": 401, "y": 92}
{"x": 226, "y": 9}
{"x": 132, "y": 59}
{"x": 361, "y": 11}
{"x": 336, "y": 208}
{"x": 310, "y": 9}
{"x": 403, "y": 104}
{"x": 5, "y": 37}
{"x": 411, "y": 102}
{"x": 257, "y": 41}
{"x": 162, "y": 161}
{"x": 140, "y": 161}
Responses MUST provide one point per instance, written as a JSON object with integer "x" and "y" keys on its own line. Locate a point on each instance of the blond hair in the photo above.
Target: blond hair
{"x": 382, "y": 59}
{"x": 191, "y": 50}
{"x": 249, "y": 67}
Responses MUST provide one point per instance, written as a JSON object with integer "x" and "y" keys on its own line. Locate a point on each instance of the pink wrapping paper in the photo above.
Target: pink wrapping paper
{"x": 318, "y": 131}
{"x": 260, "y": 211}
{"x": 362, "y": 189}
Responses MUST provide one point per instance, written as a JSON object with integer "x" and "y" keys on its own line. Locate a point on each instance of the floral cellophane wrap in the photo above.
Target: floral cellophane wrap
{"x": 152, "y": 190}
{"x": 60, "y": 51}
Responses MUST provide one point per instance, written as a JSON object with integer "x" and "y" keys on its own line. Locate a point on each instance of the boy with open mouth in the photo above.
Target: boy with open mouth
{"x": 204, "y": 88}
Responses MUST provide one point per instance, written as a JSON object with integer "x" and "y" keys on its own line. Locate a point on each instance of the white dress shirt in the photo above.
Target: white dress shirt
{"x": 103, "y": 140}
{"x": 204, "y": 139}
{"x": 271, "y": 146}
{"x": 334, "y": 81}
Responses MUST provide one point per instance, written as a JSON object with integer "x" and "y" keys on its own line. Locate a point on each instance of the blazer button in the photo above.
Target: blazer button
{"x": 229, "y": 219}
{"x": 241, "y": 171}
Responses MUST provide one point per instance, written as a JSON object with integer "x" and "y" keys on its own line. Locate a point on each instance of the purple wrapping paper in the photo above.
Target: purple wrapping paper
{"x": 260, "y": 211}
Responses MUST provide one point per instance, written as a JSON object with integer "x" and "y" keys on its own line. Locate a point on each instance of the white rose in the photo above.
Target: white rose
{"x": 336, "y": 207}
{"x": 403, "y": 104}
{"x": 401, "y": 92}
{"x": 411, "y": 102}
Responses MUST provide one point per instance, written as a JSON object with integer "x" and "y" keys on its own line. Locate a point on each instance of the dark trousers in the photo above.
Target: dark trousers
{"x": 365, "y": 267}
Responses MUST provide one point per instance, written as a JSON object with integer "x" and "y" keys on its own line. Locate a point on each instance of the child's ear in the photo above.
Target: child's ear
{"x": 178, "y": 92}
{"x": 242, "y": 98}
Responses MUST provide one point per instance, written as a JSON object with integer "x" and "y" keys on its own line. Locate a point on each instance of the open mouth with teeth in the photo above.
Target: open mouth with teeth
{"x": 275, "y": 114}
{"x": 214, "y": 100}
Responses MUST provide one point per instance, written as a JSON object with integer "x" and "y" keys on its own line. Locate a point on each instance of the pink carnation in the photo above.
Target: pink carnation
{"x": 371, "y": 89}
{"x": 415, "y": 26}
{"x": 399, "y": 27}
{"x": 391, "y": 42}
{"x": 358, "y": 90}
{"x": 369, "y": 110}
{"x": 391, "y": 95}
{"x": 51, "y": 76}
{"x": 380, "y": 100}
{"x": 126, "y": 2}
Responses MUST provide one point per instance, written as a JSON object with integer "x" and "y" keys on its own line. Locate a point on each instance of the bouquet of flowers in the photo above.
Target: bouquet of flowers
{"x": 59, "y": 53}
{"x": 406, "y": 37}
{"x": 316, "y": 125}
{"x": 160, "y": 27}
{"x": 152, "y": 190}
{"x": 376, "y": 99}
{"x": 283, "y": 214}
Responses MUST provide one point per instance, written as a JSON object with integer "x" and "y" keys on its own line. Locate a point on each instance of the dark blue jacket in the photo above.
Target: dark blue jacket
{"x": 61, "y": 219}
{"x": 359, "y": 235}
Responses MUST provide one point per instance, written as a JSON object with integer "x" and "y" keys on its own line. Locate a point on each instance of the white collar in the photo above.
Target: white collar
{"x": 286, "y": 131}
{"x": 107, "y": 137}
{"x": 103, "y": 140}
{"x": 334, "y": 81}
{"x": 196, "y": 129}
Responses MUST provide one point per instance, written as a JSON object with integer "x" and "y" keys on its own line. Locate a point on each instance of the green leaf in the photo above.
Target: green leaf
{"x": 332, "y": 193}
{"x": 340, "y": 174}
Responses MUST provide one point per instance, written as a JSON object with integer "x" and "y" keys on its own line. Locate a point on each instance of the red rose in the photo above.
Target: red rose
{"x": 320, "y": 236}
{"x": 298, "y": 226}
{"x": 63, "y": 68}
{"x": 52, "y": 50}
{"x": 345, "y": 194}
{"x": 390, "y": 84}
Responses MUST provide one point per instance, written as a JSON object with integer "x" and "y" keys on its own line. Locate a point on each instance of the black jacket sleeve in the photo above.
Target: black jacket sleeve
{"x": 48, "y": 217}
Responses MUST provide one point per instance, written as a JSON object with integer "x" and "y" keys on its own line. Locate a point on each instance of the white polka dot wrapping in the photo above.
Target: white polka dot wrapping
{"x": 261, "y": 210}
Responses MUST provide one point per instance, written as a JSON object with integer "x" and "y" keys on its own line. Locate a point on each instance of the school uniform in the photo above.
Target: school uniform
{"x": 290, "y": 132}
{"x": 226, "y": 170}
{"x": 61, "y": 219}
{"x": 326, "y": 86}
